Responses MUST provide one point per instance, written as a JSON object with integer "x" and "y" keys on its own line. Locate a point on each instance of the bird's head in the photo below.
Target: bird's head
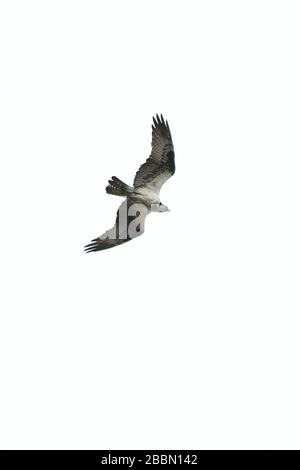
{"x": 160, "y": 207}
{"x": 163, "y": 208}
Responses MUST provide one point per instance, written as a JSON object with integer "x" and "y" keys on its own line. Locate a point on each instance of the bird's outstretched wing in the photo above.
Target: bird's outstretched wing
{"x": 160, "y": 166}
{"x": 130, "y": 223}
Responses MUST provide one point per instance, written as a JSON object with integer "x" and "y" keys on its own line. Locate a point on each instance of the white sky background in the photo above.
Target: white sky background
{"x": 187, "y": 337}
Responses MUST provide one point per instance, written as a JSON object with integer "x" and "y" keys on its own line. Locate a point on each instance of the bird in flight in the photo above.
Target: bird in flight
{"x": 143, "y": 197}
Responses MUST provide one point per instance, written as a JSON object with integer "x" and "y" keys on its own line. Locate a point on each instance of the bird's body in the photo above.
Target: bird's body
{"x": 144, "y": 196}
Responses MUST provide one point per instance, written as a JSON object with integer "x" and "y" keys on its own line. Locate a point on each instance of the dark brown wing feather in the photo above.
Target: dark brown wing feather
{"x": 160, "y": 166}
{"x": 129, "y": 224}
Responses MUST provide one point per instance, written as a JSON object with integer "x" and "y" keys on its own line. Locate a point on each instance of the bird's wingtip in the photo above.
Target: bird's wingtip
{"x": 159, "y": 121}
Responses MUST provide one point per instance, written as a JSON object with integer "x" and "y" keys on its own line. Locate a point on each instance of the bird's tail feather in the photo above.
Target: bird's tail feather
{"x": 118, "y": 188}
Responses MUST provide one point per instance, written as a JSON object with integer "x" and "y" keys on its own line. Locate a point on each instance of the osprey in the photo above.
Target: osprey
{"x": 143, "y": 197}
